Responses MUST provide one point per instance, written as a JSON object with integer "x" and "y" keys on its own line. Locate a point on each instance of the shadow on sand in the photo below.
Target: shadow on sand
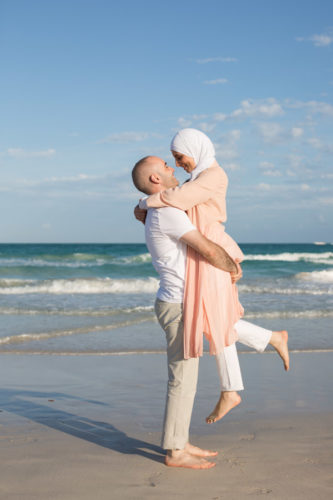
{"x": 23, "y": 403}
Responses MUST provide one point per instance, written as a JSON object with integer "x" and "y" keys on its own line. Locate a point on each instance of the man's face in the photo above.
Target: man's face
{"x": 166, "y": 174}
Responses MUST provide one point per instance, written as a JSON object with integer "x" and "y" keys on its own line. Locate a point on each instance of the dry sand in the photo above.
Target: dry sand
{"x": 88, "y": 427}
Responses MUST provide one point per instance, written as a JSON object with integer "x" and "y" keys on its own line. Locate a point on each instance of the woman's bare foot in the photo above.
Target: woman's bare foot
{"x": 227, "y": 401}
{"x": 181, "y": 458}
{"x": 279, "y": 340}
{"x": 199, "y": 452}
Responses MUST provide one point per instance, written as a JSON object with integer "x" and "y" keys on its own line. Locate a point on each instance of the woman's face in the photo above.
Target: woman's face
{"x": 186, "y": 162}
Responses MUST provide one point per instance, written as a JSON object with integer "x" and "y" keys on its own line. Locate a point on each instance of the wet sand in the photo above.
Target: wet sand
{"x": 88, "y": 427}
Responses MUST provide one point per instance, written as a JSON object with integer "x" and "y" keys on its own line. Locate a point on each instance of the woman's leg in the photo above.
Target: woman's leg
{"x": 231, "y": 382}
{"x": 252, "y": 335}
{"x": 258, "y": 338}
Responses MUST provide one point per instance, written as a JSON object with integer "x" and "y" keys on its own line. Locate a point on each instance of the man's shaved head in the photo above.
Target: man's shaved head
{"x": 150, "y": 173}
{"x": 141, "y": 173}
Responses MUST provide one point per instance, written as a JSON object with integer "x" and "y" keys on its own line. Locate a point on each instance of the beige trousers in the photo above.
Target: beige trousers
{"x": 183, "y": 377}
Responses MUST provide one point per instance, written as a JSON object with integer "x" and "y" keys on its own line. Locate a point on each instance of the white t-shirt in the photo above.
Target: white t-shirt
{"x": 163, "y": 229}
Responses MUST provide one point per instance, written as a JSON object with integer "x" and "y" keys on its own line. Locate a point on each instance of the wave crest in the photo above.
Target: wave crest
{"x": 319, "y": 258}
{"x": 325, "y": 276}
{"x": 79, "y": 286}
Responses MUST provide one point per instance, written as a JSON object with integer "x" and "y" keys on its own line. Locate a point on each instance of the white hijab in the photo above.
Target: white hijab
{"x": 197, "y": 145}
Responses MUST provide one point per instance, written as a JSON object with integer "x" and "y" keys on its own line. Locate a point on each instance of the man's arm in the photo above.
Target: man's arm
{"x": 212, "y": 252}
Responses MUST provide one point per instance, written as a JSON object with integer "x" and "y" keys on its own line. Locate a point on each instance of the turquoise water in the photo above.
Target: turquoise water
{"x": 73, "y": 298}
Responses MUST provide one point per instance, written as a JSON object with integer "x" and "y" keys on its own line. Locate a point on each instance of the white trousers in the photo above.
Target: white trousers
{"x": 227, "y": 361}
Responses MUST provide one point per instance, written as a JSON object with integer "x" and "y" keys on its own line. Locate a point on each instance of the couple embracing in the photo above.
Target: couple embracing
{"x": 199, "y": 266}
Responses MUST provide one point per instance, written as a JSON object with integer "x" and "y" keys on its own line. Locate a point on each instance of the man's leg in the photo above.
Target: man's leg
{"x": 231, "y": 382}
{"x": 182, "y": 383}
{"x": 258, "y": 338}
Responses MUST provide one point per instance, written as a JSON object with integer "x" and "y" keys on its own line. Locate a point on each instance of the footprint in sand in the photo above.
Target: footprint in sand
{"x": 310, "y": 461}
{"x": 153, "y": 480}
{"x": 262, "y": 491}
{"x": 247, "y": 437}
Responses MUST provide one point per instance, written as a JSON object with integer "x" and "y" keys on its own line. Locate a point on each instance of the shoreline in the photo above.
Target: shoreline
{"x": 148, "y": 352}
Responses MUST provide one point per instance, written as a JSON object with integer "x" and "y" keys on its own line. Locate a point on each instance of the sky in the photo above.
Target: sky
{"x": 88, "y": 87}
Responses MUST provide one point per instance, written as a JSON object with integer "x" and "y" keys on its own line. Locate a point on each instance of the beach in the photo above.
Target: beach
{"x": 83, "y": 379}
{"x": 87, "y": 426}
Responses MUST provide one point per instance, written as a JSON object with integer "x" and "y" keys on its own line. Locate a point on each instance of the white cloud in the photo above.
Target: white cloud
{"x": 82, "y": 186}
{"x": 207, "y": 127}
{"x": 220, "y": 117}
{"x": 305, "y": 187}
{"x": 266, "y": 165}
{"x": 272, "y": 173}
{"x": 124, "y": 137}
{"x": 314, "y": 106}
{"x": 216, "y": 82}
{"x": 264, "y": 187}
{"x": 326, "y": 201}
{"x": 249, "y": 108}
{"x": 297, "y": 132}
{"x": 268, "y": 169}
{"x": 321, "y": 40}
{"x": 23, "y": 153}
{"x": 261, "y": 107}
{"x": 225, "y": 152}
{"x": 216, "y": 59}
{"x": 231, "y": 166}
{"x": 294, "y": 161}
{"x": 270, "y": 132}
{"x": 315, "y": 142}
{"x": 319, "y": 145}
{"x": 184, "y": 122}
{"x": 234, "y": 135}
{"x": 227, "y": 149}
{"x": 74, "y": 178}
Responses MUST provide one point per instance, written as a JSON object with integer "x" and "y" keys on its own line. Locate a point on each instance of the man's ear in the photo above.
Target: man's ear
{"x": 155, "y": 179}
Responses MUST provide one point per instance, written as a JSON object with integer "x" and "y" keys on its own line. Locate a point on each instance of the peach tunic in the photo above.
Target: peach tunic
{"x": 211, "y": 304}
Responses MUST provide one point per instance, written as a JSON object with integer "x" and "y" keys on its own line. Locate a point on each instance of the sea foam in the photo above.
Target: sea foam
{"x": 325, "y": 276}
{"x": 79, "y": 286}
{"x": 319, "y": 258}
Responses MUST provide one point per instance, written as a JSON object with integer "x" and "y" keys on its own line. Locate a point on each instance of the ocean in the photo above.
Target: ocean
{"x": 98, "y": 298}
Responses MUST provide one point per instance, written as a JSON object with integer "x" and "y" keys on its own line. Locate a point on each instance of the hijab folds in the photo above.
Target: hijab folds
{"x": 194, "y": 143}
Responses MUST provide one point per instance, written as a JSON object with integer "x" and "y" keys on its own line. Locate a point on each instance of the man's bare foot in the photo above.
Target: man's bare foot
{"x": 279, "y": 340}
{"x": 199, "y": 452}
{"x": 227, "y": 401}
{"x": 184, "y": 459}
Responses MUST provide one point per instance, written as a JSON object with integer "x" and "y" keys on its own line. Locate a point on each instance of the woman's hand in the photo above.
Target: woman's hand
{"x": 236, "y": 276}
{"x": 140, "y": 214}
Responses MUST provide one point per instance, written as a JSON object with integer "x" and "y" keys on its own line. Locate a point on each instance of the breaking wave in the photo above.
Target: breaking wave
{"x": 78, "y": 286}
{"x": 325, "y": 276}
{"x": 318, "y": 258}
{"x": 284, "y": 291}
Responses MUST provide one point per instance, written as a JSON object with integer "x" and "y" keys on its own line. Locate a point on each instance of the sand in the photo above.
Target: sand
{"x": 88, "y": 427}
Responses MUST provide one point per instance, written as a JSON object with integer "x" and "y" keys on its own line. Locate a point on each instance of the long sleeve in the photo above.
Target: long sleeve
{"x": 191, "y": 193}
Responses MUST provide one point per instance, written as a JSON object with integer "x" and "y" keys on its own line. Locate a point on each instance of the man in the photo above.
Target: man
{"x": 168, "y": 231}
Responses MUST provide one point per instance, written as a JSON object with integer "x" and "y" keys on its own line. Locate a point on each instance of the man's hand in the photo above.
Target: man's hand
{"x": 140, "y": 214}
{"x": 236, "y": 276}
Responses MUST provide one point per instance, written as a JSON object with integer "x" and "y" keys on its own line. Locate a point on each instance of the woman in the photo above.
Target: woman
{"x": 211, "y": 302}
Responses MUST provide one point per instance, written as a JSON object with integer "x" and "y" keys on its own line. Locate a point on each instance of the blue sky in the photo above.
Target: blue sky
{"x": 90, "y": 86}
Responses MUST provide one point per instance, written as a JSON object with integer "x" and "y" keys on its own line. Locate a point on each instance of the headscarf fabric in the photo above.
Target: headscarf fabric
{"x": 194, "y": 143}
